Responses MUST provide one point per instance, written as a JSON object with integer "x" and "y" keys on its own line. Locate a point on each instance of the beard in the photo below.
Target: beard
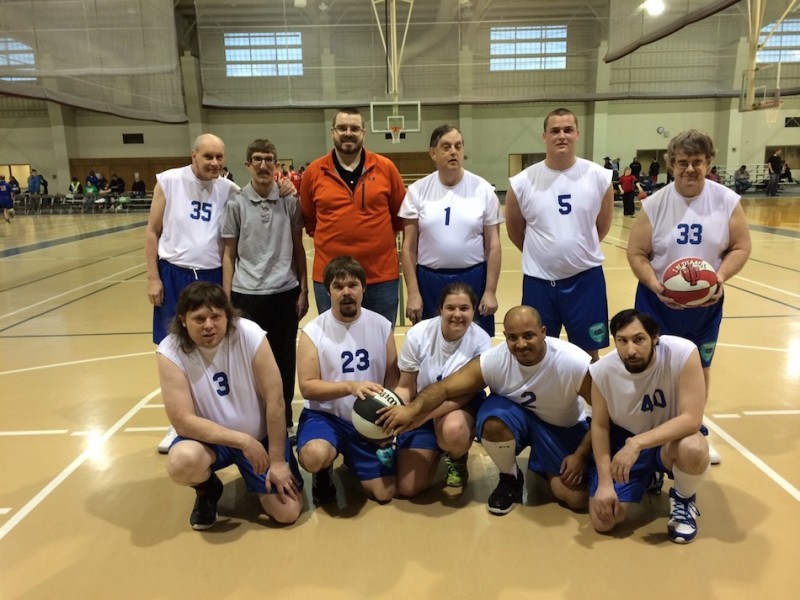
{"x": 349, "y": 309}
{"x": 639, "y": 366}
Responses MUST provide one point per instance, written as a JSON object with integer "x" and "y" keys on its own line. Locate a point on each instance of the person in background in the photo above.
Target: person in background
{"x": 741, "y": 180}
{"x": 628, "y": 187}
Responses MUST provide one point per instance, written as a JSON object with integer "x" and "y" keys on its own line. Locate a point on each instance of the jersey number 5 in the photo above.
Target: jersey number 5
{"x": 566, "y": 207}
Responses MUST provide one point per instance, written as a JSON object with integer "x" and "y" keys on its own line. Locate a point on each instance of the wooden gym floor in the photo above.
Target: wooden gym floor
{"x": 87, "y": 511}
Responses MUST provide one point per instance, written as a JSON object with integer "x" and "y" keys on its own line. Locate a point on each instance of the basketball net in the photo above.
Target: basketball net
{"x": 772, "y": 115}
{"x": 396, "y": 131}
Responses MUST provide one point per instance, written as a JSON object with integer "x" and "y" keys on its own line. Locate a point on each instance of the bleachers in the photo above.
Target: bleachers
{"x": 37, "y": 204}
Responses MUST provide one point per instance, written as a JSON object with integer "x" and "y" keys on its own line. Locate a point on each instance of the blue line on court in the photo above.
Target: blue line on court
{"x": 66, "y": 240}
{"x": 776, "y": 231}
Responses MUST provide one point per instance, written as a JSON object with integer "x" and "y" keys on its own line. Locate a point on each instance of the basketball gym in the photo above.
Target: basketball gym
{"x": 86, "y": 507}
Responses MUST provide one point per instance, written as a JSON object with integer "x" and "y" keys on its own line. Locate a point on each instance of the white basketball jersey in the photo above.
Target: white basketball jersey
{"x": 427, "y": 353}
{"x": 451, "y": 219}
{"x": 642, "y": 401}
{"x": 690, "y": 226}
{"x": 549, "y": 389}
{"x": 560, "y": 210}
{"x": 348, "y": 352}
{"x": 222, "y": 381}
{"x": 190, "y": 237}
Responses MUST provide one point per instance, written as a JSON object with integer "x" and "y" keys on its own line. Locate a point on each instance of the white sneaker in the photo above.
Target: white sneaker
{"x": 713, "y": 455}
{"x": 166, "y": 441}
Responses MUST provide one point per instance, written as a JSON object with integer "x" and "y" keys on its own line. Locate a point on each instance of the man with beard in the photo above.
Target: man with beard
{"x": 692, "y": 216}
{"x": 538, "y": 385}
{"x": 557, "y": 213}
{"x": 345, "y": 353}
{"x": 647, "y": 402}
{"x": 349, "y": 200}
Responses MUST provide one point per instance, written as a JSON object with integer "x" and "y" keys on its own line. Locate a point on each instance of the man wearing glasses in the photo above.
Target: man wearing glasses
{"x": 264, "y": 264}
{"x": 349, "y": 199}
{"x": 692, "y": 216}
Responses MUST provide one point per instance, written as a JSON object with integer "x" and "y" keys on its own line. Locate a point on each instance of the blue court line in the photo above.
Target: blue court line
{"x": 66, "y": 240}
{"x": 775, "y": 230}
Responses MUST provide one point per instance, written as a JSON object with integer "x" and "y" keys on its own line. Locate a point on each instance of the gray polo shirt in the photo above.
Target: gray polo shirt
{"x": 264, "y": 229}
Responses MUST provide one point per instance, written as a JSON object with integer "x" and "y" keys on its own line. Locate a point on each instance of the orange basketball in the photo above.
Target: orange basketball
{"x": 642, "y": 195}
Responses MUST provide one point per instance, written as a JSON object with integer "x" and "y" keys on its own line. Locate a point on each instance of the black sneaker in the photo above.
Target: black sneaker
{"x": 322, "y": 489}
{"x": 655, "y": 483}
{"x": 507, "y": 492}
{"x": 204, "y": 513}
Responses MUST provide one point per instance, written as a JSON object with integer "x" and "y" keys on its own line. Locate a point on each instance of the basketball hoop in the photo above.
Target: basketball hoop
{"x": 396, "y": 131}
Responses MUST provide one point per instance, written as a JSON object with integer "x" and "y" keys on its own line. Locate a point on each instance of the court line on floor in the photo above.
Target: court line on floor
{"x": 16, "y": 250}
{"x": 759, "y": 464}
{"x": 782, "y": 291}
{"x": 76, "y": 362}
{"x": 51, "y": 298}
{"x": 17, "y": 517}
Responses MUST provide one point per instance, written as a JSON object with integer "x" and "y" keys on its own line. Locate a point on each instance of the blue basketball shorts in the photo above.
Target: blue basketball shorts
{"x": 424, "y": 437}
{"x": 578, "y": 303}
{"x": 649, "y": 462}
{"x": 360, "y": 455}
{"x": 549, "y": 444}
{"x": 227, "y": 456}
{"x": 698, "y": 324}
{"x": 175, "y": 279}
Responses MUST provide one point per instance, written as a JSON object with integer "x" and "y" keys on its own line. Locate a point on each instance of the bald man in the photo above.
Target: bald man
{"x": 536, "y": 385}
{"x": 182, "y": 240}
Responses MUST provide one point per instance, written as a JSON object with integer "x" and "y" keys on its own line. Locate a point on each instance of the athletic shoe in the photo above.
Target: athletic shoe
{"x": 322, "y": 489}
{"x": 682, "y": 526}
{"x": 166, "y": 441}
{"x": 655, "y": 483}
{"x": 713, "y": 455}
{"x": 507, "y": 492}
{"x": 204, "y": 513}
{"x": 457, "y": 472}
{"x": 291, "y": 433}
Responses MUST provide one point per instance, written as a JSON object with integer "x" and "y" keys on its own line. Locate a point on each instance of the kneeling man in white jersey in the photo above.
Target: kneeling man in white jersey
{"x": 647, "y": 401}
{"x": 536, "y": 385}
{"x": 223, "y": 394}
{"x": 343, "y": 354}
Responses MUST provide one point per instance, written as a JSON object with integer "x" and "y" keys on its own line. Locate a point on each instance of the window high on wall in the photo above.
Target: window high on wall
{"x": 16, "y": 60}
{"x": 784, "y": 45}
{"x": 528, "y": 48}
{"x": 264, "y": 54}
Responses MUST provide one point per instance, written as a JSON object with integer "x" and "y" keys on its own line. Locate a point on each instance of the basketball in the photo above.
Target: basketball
{"x": 690, "y": 281}
{"x": 365, "y": 412}
{"x": 642, "y": 195}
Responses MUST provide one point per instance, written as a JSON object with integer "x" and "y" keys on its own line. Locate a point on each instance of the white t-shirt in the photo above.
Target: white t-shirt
{"x": 451, "y": 219}
{"x": 684, "y": 227}
{"x": 222, "y": 381}
{"x": 640, "y": 402}
{"x": 560, "y": 210}
{"x": 190, "y": 236}
{"x": 348, "y": 352}
{"x": 427, "y": 353}
{"x": 548, "y": 389}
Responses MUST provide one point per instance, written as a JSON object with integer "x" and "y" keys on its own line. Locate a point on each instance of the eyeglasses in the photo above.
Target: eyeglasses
{"x": 257, "y": 160}
{"x": 696, "y": 164}
{"x": 345, "y": 128}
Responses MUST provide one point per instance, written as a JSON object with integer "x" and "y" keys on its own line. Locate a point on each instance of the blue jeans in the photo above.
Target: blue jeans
{"x": 378, "y": 297}
{"x": 772, "y": 188}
